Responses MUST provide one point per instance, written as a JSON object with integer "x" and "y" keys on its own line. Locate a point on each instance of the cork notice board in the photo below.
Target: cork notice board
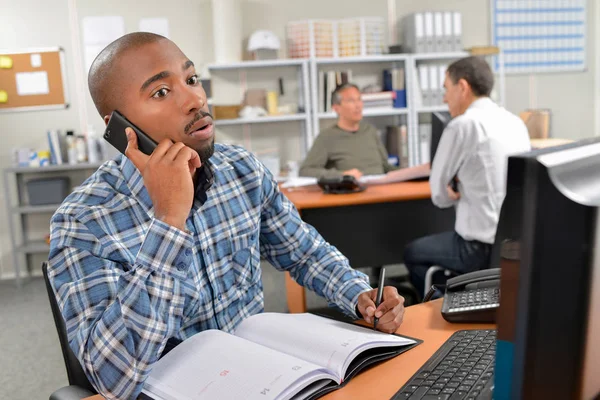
{"x": 32, "y": 79}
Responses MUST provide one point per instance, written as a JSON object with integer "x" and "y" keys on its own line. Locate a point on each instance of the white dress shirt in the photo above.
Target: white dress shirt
{"x": 475, "y": 147}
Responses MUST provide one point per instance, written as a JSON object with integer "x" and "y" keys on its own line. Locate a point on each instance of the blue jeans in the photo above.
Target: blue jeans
{"x": 448, "y": 250}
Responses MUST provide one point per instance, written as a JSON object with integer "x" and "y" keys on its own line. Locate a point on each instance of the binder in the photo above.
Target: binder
{"x": 424, "y": 84}
{"x": 442, "y": 72}
{"x": 434, "y": 85}
{"x": 457, "y": 31}
{"x": 438, "y": 32}
{"x": 429, "y": 38}
{"x": 448, "y": 33}
{"x": 413, "y": 32}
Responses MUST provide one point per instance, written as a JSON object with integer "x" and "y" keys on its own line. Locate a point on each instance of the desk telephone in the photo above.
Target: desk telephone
{"x": 472, "y": 297}
{"x": 340, "y": 185}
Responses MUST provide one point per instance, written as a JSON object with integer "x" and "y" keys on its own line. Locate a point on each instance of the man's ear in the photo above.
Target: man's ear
{"x": 464, "y": 86}
{"x": 106, "y": 118}
{"x": 335, "y": 107}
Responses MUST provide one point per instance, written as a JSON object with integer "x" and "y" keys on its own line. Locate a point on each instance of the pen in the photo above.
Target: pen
{"x": 379, "y": 294}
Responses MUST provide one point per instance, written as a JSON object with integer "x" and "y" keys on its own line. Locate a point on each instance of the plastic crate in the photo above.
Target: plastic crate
{"x": 336, "y": 38}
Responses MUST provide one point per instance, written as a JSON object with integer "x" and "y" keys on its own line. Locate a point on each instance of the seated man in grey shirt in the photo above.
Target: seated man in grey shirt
{"x": 351, "y": 147}
{"x": 474, "y": 150}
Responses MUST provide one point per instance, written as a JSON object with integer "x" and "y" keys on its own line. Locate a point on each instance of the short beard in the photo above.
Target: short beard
{"x": 205, "y": 152}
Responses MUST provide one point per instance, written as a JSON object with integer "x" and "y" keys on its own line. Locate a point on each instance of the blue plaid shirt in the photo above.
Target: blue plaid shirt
{"x": 127, "y": 282}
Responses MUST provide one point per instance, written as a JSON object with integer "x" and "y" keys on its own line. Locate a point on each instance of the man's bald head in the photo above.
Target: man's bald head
{"x": 105, "y": 71}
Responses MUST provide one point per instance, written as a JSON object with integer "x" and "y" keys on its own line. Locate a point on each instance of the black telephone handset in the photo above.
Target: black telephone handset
{"x": 472, "y": 297}
{"x": 340, "y": 185}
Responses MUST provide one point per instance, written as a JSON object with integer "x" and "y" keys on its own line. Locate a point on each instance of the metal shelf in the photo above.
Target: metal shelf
{"x": 440, "y": 56}
{"x": 429, "y": 109}
{"x": 371, "y": 112}
{"x": 363, "y": 59}
{"x": 36, "y": 209}
{"x": 34, "y": 246}
{"x": 290, "y": 62}
{"x": 260, "y": 120}
{"x": 53, "y": 168}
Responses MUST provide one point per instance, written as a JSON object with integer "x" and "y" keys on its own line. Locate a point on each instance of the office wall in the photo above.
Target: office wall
{"x": 570, "y": 96}
{"x": 40, "y": 23}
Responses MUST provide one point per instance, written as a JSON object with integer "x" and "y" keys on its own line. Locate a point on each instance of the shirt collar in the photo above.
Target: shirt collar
{"x": 482, "y": 102}
{"x": 218, "y": 165}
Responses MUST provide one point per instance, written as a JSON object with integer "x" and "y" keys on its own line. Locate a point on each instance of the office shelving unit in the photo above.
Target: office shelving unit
{"x": 302, "y": 82}
{"x": 307, "y": 77}
{"x": 23, "y": 246}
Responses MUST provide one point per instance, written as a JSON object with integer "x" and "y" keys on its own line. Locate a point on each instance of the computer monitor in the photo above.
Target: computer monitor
{"x": 439, "y": 120}
{"x": 549, "y": 317}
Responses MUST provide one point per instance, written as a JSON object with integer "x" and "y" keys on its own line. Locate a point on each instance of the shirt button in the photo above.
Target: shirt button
{"x": 187, "y": 252}
{"x": 220, "y": 297}
{"x": 208, "y": 251}
{"x": 252, "y": 237}
{"x": 181, "y": 266}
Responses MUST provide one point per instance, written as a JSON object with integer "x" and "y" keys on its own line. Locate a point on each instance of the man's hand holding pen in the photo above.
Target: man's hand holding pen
{"x": 390, "y": 312}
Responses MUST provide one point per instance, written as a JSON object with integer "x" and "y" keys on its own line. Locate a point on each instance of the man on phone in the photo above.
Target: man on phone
{"x": 152, "y": 249}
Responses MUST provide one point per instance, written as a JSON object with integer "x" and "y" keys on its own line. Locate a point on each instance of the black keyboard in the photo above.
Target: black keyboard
{"x": 463, "y": 368}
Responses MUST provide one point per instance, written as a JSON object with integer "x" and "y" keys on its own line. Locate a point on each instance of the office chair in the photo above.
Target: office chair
{"x": 80, "y": 386}
{"x": 429, "y": 276}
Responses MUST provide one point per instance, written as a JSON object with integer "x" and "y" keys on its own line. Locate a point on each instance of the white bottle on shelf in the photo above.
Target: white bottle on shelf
{"x": 92, "y": 146}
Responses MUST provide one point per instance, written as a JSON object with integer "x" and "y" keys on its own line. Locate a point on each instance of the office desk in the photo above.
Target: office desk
{"x": 422, "y": 321}
{"x": 371, "y": 228}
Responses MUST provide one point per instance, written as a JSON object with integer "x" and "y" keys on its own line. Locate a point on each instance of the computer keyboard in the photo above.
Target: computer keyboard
{"x": 463, "y": 368}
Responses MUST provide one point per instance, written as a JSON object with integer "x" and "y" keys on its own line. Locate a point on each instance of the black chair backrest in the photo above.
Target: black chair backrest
{"x": 74, "y": 371}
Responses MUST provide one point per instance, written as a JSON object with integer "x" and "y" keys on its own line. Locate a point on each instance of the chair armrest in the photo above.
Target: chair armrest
{"x": 71, "y": 393}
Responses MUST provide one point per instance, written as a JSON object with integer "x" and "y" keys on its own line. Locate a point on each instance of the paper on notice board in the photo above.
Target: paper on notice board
{"x": 32, "y": 83}
{"x": 99, "y": 32}
{"x": 36, "y": 60}
{"x": 160, "y": 26}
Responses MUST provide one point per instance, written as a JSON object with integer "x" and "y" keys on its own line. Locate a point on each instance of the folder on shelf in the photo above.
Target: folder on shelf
{"x": 424, "y": 84}
{"x": 457, "y": 31}
{"x": 434, "y": 85}
{"x": 442, "y": 73}
{"x": 448, "y": 36}
{"x": 429, "y": 38}
{"x": 438, "y": 29}
{"x": 413, "y": 32}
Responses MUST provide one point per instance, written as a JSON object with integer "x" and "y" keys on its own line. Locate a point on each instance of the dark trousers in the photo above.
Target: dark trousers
{"x": 447, "y": 250}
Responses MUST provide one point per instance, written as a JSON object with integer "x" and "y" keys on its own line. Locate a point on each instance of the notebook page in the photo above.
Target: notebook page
{"x": 216, "y": 365}
{"x": 322, "y": 341}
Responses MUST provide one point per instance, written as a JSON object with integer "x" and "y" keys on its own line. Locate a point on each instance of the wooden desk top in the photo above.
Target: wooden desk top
{"x": 313, "y": 197}
{"x": 423, "y": 321}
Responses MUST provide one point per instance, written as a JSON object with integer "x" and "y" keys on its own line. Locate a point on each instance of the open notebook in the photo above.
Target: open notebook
{"x": 271, "y": 356}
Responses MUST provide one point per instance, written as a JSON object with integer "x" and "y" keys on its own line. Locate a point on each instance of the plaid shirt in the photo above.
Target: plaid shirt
{"x": 127, "y": 282}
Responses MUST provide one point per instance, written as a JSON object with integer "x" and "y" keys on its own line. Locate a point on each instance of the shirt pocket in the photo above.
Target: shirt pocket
{"x": 238, "y": 262}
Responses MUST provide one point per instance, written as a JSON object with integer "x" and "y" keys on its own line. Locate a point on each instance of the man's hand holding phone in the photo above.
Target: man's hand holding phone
{"x": 167, "y": 174}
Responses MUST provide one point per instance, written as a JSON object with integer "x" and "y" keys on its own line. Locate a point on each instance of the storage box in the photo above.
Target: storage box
{"x": 336, "y": 38}
{"x": 43, "y": 191}
{"x": 226, "y": 112}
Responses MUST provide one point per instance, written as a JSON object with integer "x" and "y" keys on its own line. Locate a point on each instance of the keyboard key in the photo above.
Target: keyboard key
{"x": 434, "y": 391}
{"x": 465, "y": 388}
{"x": 438, "y": 385}
{"x": 436, "y": 397}
{"x": 418, "y": 394}
{"x": 458, "y": 395}
{"x": 428, "y": 382}
{"x": 448, "y": 390}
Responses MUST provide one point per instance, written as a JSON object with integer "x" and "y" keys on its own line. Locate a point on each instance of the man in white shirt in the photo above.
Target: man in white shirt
{"x": 472, "y": 153}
